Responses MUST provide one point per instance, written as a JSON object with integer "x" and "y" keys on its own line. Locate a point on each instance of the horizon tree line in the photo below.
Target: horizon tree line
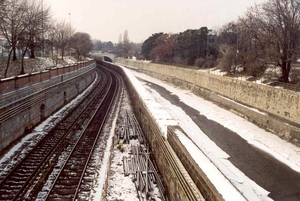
{"x": 268, "y": 34}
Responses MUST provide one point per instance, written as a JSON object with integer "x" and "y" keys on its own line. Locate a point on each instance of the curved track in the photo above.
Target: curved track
{"x": 62, "y": 156}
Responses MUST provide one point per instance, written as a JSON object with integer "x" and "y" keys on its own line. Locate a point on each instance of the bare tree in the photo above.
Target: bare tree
{"x": 226, "y": 60}
{"x": 13, "y": 25}
{"x": 124, "y": 48}
{"x": 165, "y": 48}
{"x": 229, "y": 35}
{"x": 3, "y": 9}
{"x": 82, "y": 43}
{"x": 272, "y": 33}
{"x": 120, "y": 38}
{"x": 118, "y": 49}
{"x": 228, "y": 47}
{"x": 50, "y": 42}
{"x": 62, "y": 36}
{"x": 149, "y": 44}
{"x": 126, "y": 45}
{"x": 37, "y": 18}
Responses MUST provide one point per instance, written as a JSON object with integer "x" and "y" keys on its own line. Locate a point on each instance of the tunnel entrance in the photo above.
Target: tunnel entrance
{"x": 106, "y": 58}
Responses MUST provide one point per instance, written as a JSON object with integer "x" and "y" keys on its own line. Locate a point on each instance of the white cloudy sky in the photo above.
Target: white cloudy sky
{"x": 107, "y": 19}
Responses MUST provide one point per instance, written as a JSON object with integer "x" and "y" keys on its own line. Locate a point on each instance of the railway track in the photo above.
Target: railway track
{"x": 61, "y": 158}
{"x": 130, "y": 129}
{"x": 83, "y": 148}
{"x": 139, "y": 164}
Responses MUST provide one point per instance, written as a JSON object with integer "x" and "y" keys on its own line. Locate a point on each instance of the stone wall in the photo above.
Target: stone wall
{"x": 22, "y": 109}
{"x": 15, "y": 83}
{"x": 207, "y": 189}
{"x": 264, "y": 105}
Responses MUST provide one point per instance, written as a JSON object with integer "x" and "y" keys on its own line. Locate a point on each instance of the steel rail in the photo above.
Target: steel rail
{"x": 51, "y": 189}
{"x": 114, "y": 98}
{"x": 18, "y": 165}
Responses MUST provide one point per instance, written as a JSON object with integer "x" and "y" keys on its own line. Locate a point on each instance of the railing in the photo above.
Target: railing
{"x": 13, "y": 83}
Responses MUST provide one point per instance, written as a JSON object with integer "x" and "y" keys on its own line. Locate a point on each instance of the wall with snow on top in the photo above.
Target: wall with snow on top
{"x": 267, "y": 106}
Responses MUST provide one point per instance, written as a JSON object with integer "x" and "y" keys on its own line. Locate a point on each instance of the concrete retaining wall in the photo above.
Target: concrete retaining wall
{"x": 272, "y": 108}
{"x": 207, "y": 189}
{"x": 22, "y": 109}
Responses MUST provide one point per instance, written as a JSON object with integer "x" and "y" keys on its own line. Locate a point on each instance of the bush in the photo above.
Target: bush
{"x": 199, "y": 62}
{"x": 140, "y": 57}
{"x": 295, "y": 76}
{"x": 225, "y": 64}
{"x": 255, "y": 68}
{"x": 179, "y": 61}
{"x": 210, "y": 64}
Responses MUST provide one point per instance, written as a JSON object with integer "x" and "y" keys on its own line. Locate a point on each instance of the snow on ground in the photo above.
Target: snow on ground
{"x": 97, "y": 192}
{"x": 17, "y": 152}
{"x": 155, "y": 109}
{"x": 215, "y": 159}
{"x": 266, "y": 141}
{"x": 119, "y": 186}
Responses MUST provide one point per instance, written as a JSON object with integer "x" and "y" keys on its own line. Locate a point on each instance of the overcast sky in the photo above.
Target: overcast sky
{"x": 107, "y": 19}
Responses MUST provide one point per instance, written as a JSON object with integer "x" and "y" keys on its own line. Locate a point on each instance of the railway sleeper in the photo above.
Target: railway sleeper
{"x": 67, "y": 182}
{"x": 61, "y": 199}
{"x": 90, "y": 169}
{"x": 85, "y": 187}
{"x": 88, "y": 179}
{"x": 69, "y": 192}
